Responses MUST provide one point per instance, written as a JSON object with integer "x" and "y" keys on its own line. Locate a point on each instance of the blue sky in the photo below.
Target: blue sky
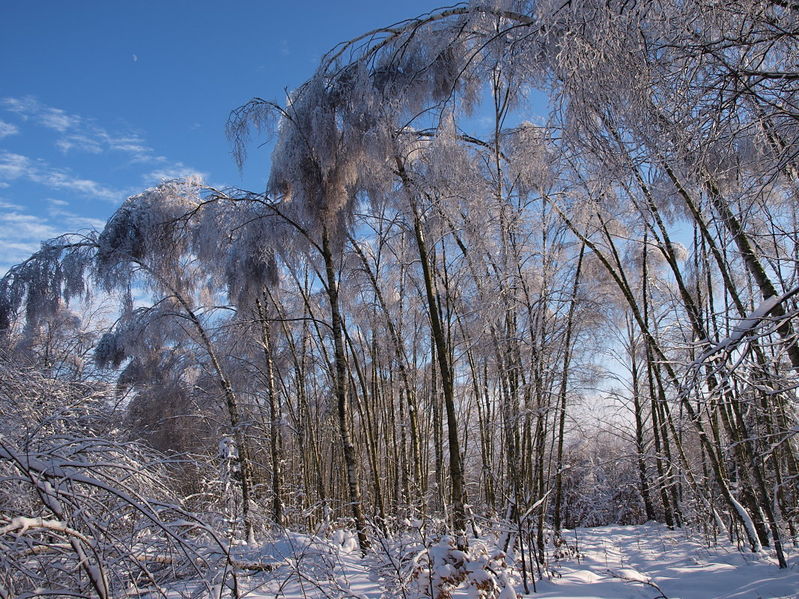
{"x": 100, "y": 100}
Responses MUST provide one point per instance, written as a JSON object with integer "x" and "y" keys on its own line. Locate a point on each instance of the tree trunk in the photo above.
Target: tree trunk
{"x": 567, "y": 350}
{"x": 340, "y": 390}
{"x": 275, "y": 446}
{"x": 447, "y": 385}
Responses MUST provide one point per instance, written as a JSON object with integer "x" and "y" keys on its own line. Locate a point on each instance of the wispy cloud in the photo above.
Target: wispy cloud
{"x": 7, "y": 129}
{"x": 13, "y": 166}
{"x": 20, "y": 236}
{"x": 16, "y": 166}
{"x": 22, "y": 233}
{"x": 25, "y": 230}
{"x": 78, "y": 133}
{"x": 174, "y": 171}
{"x": 29, "y": 107}
{"x": 9, "y": 206}
{"x": 83, "y": 143}
{"x": 71, "y": 221}
{"x": 64, "y": 180}
{"x": 134, "y": 164}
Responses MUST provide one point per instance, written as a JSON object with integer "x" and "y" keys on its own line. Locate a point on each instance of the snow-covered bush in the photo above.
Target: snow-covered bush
{"x": 420, "y": 562}
{"x": 86, "y": 515}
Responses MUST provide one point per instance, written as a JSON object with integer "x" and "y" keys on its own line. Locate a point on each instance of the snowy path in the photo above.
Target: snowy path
{"x": 646, "y": 562}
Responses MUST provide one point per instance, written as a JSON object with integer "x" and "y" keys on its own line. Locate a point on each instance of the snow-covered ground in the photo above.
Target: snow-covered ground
{"x": 612, "y": 562}
{"x": 651, "y": 561}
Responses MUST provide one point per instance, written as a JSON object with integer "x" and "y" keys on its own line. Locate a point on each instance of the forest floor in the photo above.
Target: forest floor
{"x": 651, "y": 561}
{"x": 611, "y": 562}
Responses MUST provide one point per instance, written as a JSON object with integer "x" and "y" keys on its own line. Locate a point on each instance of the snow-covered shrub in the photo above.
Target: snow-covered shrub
{"x": 87, "y": 515}
{"x": 420, "y": 562}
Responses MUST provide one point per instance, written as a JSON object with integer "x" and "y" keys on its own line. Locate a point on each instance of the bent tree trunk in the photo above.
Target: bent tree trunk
{"x": 234, "y": 414}
{"x": 756, "y": 270}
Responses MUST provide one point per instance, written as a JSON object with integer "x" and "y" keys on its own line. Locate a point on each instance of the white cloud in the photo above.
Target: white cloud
{"x": 76, "y": 133}
{"x": 23, "y": 106}
{"x": 21, "y": 234}
{"x": 58, "y": 179}
{"x": 79, "y": 133}
{"x": 7, "y": 129}
{"x": 57, "y": 119}
{"x": 15, "y": 251}
{"x": 70, "y": 220}
{"x": 94, "y": 140}
{"x": 174, "y": 171}
{"x": 9, "y": 206}
{"x": 46, "y": 116}
{"x": 133, "y": 145}
{"x": 25, "y": 229}
{"x": 79, "y": 142}
{"x": 16, "y": 166}
{"x": 13, "y": 166}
